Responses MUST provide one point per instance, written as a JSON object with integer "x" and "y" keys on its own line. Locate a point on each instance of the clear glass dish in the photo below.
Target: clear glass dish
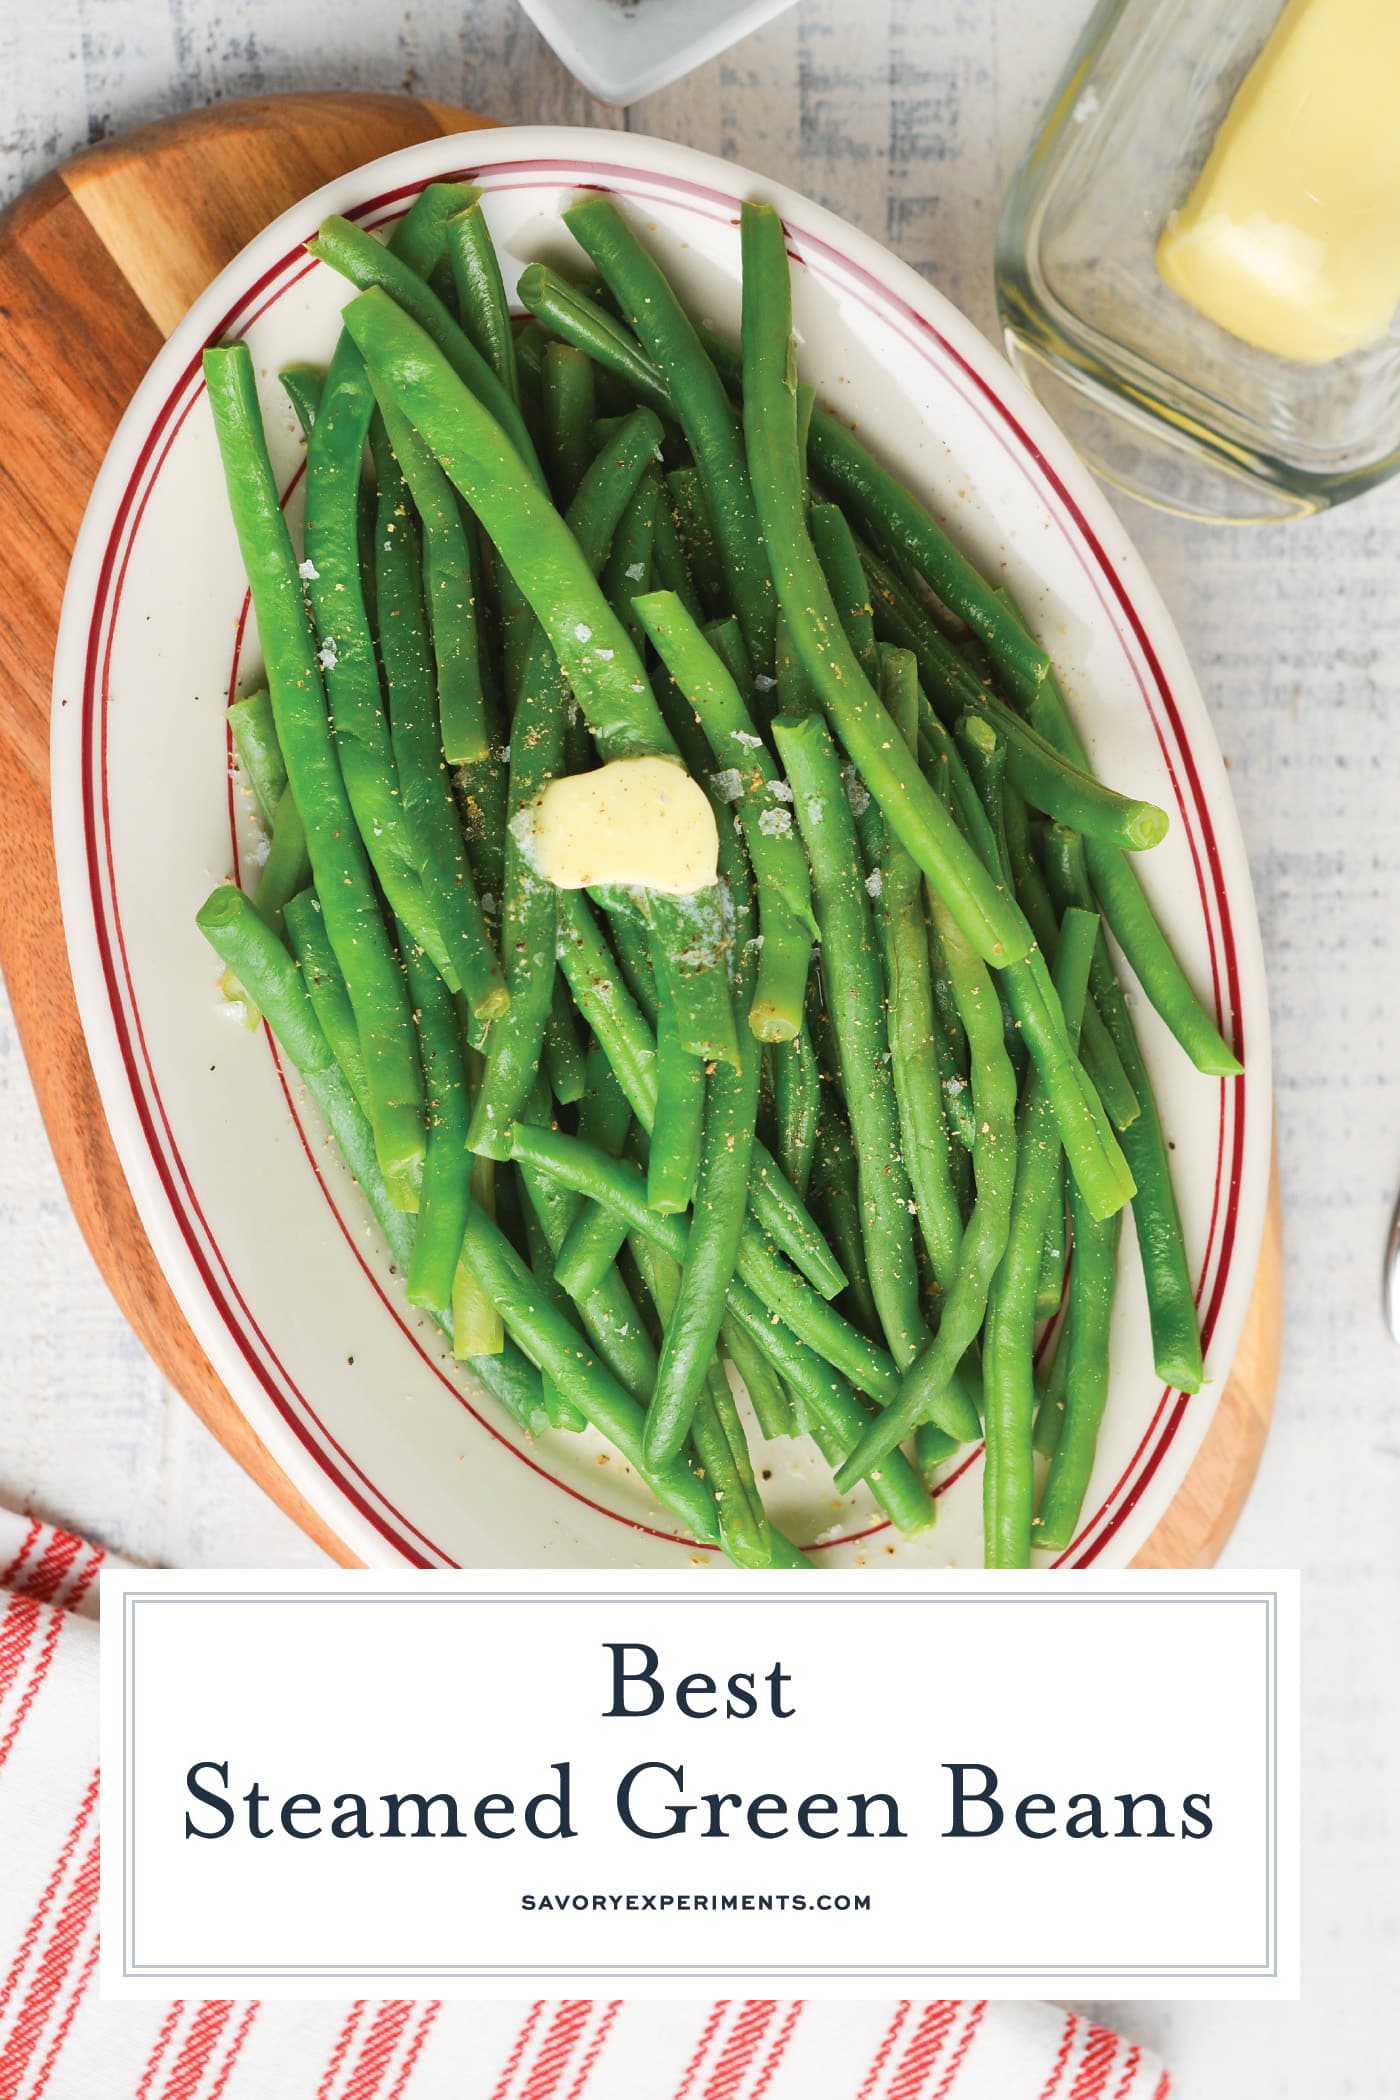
{"x": 1162, "y": 401}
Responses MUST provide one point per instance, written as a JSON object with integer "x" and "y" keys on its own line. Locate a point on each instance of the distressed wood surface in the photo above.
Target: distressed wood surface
{"x": 906, "y": 115}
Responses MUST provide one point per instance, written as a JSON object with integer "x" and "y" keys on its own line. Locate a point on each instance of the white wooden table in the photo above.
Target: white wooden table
{"x": 907, "y": 116}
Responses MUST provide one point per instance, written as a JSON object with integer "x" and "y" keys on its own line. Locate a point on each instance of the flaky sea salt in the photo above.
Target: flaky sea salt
{"x": 727, "y": 785}
{"x": 775, "y": 823}
{"x": 328, "y": 658}
{"x": 308, "y": 572}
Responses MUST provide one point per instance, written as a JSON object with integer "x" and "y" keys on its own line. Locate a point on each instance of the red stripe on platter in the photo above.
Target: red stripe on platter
{"x": 292, "y": 1406}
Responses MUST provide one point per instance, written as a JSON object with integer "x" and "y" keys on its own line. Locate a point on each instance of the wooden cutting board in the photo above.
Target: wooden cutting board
{"x": 97, "y": 264}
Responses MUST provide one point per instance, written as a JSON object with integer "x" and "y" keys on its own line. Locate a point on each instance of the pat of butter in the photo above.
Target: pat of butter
{"x": 639, "y": 823}
{"x": 1291, "y": 237}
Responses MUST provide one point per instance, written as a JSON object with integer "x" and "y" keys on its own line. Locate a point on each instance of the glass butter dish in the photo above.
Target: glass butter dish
{"x": 1162, "y": 400}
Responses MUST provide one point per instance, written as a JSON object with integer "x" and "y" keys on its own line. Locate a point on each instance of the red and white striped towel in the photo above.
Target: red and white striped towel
{"x": 58, "y": 2039}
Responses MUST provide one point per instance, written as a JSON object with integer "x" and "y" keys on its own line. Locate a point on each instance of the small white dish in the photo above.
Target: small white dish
{"x": 266, "y": 1243}
{"x": 622, "y": 50}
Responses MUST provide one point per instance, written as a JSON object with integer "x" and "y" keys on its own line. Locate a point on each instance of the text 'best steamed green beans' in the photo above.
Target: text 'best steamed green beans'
{"x": 823, "y": 1123}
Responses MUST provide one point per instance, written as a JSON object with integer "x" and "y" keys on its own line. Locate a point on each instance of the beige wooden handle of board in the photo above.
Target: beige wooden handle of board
{"x": 97, "y": 264}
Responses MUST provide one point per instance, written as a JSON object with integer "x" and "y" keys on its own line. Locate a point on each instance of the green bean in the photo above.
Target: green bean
{"x": 701, "y": 405}
{"x": 302, "y": 386}
{"x": 569, "y": 409}
{"x": 717, "y": 1434}
{"x": 563, "y": 1052}
{"x": 446, "y": 1197}
{"x": 592, "y": 1242}
{"x": 233, "y": 928}
{"x": 718, "y": 1225}
{"x": 984, "y": 1238}
{"x": 1130, "y": 917}
{"x": 538, "y": 547}
{"x": 239, "y": 937}
{"x": 481, "y": 295}
{"x": 1008, "y": 1377}
{"x": 607, "y": 1311}
{"x": 927, "y": 1142}
{"x": 627, "y": 572}
{"x": 698, "y": 540}
{"x": 1094, "y": 1154}
{"x": 254, "y": 736}
{"x": 561, "y": 1411}
{"x": 1051, "y": 1386}
{"x": 674, "y": 1163}
{"x": 612, "y": 1013}
{"x": 768, "y": 1396}
{"x": 902, "y": 527}
{"x": 1176, "y": 1336}
{"x": 797, "y": 1096}
{"x": 477, "y": 1327}
{"x": 342, "y": 874}
{"x": 631, "y": 938}
{"x": 851, "y": 960}
{"x": 530, "y": 905}
{"x": 555, "y": 1346}
{"x": 1047, "y": 776}
{"x": 896, "y": 1487}
{"x": 448, "y": 590}
{"x": 990, "y": 917}
{"x": 983, "y": 754}
{"x": 690, "y": 944}
{"x": 420, "y": 237}
{"x": 840, "y": 559}
{"x": 430, "y": 811}
{"x": 579, "y": 320}
{"x": 325, "y": 986}
{"x": 1092, "y": 1282}
{"x": 337, "y": 579}
{"x": 371, "y": 268}
{"x": 786, "y": 925}
{"x": 835, "y": 1193}
{"x": 1054, "y": 1253}
{"x": 669, "y": 559}
{"x": 607, "y": 1004}
{"x": 287, "y": 867}
{"x": 1101, "y": 1059}
{"x": 258, "y": 959}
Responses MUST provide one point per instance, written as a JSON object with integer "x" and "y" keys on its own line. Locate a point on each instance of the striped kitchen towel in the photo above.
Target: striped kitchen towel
{"x": 58, "y": 2039}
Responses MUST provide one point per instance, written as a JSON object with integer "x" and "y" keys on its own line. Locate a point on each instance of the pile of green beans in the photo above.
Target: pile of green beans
{"x": 819, "y": 1134}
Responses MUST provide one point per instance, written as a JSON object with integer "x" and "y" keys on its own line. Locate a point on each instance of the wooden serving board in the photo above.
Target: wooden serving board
{"x": 97, "y": 264}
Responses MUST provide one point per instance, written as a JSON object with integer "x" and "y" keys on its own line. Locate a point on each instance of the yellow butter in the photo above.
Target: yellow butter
{"x": 636, "y": 822}
{"x": 1291, "y": 237}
